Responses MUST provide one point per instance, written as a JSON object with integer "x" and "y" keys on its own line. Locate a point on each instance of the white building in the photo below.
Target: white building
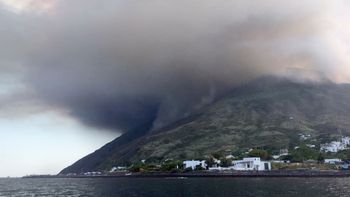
{"x": 251, "y": 163}
{"x": 118, "y": 168}
{"x": 92, "y": 173}
{"x": 346, "y": 141}
{"x": 333, "y": 147}
{"x": 304, "y": 136}
{"x": 217, "y": 161}
{"x": 332, "y": 161}
{"x": 336, "y": 146}
{"x": 283, "y": 152}
{"x": 194, "y": 163}
{"x": 311, "y": 145}
{"x": 230, "y": 157}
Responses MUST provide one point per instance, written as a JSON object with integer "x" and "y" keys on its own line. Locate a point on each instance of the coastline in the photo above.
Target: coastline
{"x": 245, "y": 174}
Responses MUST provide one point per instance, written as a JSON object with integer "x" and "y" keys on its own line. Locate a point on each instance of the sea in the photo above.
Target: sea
{"x": 154, "y": 187}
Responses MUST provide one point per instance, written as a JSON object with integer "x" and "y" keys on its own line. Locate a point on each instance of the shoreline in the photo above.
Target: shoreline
{"x": 243, "y": 174}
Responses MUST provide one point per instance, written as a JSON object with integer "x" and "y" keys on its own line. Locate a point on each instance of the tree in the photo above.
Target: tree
{"x": 210, "y": 161}
{"x": 263, "y": 154}
{"x": 304, "y": 153}
{"x": 199, "y": 168}
{"x": 137, "y": 167}
{"x": 218, "y": 155}
{"x": 344, "y": 155}
{"x": 320, "y": 158}
{"x": 188, "y": 169}
{"x": 287, "y": 157}
{"x": 226, "y": 162}
{"x": 171, "y": 165}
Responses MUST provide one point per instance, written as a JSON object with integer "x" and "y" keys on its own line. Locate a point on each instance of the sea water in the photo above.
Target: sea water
{"x": 154, "y": 187}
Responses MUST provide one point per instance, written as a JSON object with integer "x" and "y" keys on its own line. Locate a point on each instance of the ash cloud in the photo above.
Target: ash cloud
{"x": 121, "y": 64}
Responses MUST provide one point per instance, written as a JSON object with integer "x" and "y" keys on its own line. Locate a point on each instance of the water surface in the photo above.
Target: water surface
{"x": 176, "y": 187}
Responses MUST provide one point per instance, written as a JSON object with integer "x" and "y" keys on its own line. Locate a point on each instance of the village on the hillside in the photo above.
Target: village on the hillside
{"x": 333, "y": 155}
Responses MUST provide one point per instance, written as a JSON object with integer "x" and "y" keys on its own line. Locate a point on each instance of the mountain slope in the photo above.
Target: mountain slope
{"x": 269, "y": 112}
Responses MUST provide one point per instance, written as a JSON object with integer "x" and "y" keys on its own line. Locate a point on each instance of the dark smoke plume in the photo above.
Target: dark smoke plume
{"x": 120, "y": 64}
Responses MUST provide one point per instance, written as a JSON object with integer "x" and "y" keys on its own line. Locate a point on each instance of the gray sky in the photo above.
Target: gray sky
{"x": 76, "y": 74}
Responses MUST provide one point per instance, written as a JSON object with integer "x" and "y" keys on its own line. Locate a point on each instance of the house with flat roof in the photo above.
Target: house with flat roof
{"x": 251, "y": 163}
{"x": 194, "y": 163}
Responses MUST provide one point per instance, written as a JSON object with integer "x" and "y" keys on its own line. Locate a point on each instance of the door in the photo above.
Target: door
{"x": 266, "y": 165}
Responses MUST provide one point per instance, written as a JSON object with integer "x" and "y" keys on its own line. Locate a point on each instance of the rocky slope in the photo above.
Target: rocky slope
{"x": 268, "y": 113}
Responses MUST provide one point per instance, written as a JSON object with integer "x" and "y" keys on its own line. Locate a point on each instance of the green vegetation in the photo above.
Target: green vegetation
{"x": 271, "y": 117}
{"x": 167, "y": 166}
{"x": 303, "y": 166}
{"x": 268, "y": 114}
{"x": 304, "y": 153}
{"x": 263, "y": 154}
{"x": 226, "y": 162}
{"x": 344, "y": 155}
{"x": 320, "y": 158}
{"x": 210, "y": 161}
{"x": 171, "y": 165}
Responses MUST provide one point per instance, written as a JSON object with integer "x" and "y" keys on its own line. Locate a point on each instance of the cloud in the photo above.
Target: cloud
{"x": 19, "y": 6}
{"x": 120, "y": 64}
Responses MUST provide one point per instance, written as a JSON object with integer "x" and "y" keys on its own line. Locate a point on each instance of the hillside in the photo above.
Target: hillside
{"x": 268, "y": 113}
